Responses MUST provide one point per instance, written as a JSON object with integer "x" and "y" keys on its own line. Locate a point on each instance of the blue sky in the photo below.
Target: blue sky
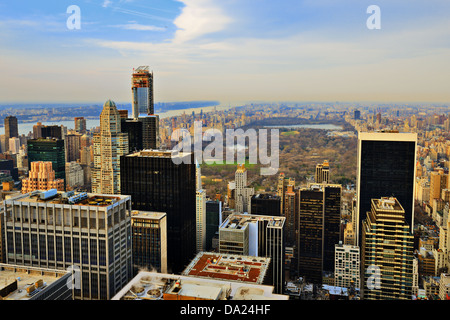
{"x": 227, "y": 50}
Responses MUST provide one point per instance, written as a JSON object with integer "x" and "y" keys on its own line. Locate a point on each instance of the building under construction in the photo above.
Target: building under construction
{"x": 142, "y": 90}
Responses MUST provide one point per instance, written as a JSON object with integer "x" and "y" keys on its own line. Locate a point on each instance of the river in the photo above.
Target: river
{"x": 24, "y": 128}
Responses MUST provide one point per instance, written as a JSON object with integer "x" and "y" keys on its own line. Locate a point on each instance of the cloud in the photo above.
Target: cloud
{"x": 198, "y": 18}
{"x": 106, "y": 3}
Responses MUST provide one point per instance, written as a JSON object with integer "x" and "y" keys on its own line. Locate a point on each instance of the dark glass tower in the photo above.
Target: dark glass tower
{"x": 133, "y": 128}
{"x": 156, "y": 183}
{"x": 213, "y": 215}
{"x": 52, "y": 132}
{"x": 142, "y": 132}
{"x": 319, "y": 223}
{"x": 266, "y": 205}
{"x": 48, "y": 150}
{"x": 11, "y": 127}
{"x": 386, "y": 167}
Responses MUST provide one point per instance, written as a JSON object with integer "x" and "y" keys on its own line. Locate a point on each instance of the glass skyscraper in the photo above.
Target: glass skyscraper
{"x": 386, "y": 167}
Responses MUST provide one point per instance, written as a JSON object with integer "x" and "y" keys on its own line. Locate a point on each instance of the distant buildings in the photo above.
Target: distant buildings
{"x": 74, "y": 175}
{"x": 80, "y": 125}
{"x": 11, "y": 127}
{"x": 322, "y": 174}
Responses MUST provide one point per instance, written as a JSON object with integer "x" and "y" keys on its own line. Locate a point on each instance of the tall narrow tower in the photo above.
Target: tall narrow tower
{"x": 109, "y": 145}
{"x": 142, "y": 90}
{"x": 386, "y": 167}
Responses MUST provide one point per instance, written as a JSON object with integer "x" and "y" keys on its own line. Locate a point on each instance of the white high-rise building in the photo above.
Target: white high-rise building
{"x": 444, "y": 286}
{"x": 14, "y": 145}
{"x": 243, "y": 193}
{"x": 347, "y": 266}
{"x": 201, "y": 220}
{"x": 200, "y": 211}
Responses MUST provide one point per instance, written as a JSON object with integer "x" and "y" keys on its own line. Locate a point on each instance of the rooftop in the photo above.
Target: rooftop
{"x": 30, "y": 281}
{"x": 387, "y": 204}
{"x": 161, "y": 286}
{"x": 228, "y": 267}
{"x": 151, "y": 215}
{"x": 153, "y": 153}
{"x": 82, "y": 198}
{"x": 240, "y": 221}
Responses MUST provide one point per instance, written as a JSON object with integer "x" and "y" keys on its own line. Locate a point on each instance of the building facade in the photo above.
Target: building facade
{"x": 109, "y": 145}
{"x": 90, "y": 233}
{"x": 387, "y": 252}
{"x": 319, "y": 230}
{"x": 164, "y": 181}
{"x": 347, "y": 266}
{"x": 149, "y": 231}
{"x": 51, "y": 149}
{"x": 386, "y": 167}
{"x": 42, "y": 177}
{"x": 256, "y": 235}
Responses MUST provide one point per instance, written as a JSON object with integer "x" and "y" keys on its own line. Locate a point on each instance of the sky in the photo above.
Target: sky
{"x": 233, "y": 51}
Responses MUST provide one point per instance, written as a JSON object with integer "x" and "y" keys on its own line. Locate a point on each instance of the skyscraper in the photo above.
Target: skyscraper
{"x": 80, "y": 125}
{"x": 200, "y": 210}
{"x": 322, "y": 174}
{"x": 73, "y": 146}
{"x": 283, "y": 183}
{"x": 319, "y": 230}
{"x": 41, "y": 177}
{"x": 50, "y": 149}
{"x": 109, "y": 144}
{"x": 142, "y": 91}
{"x": 387, "y": 252}
{"x": 11, "y": 131}
{"x": 213, "y": 220}
{"x": 243, "y": 193}
{"x": 386, "y": 167}
{"x": 266, "y": 204}
{"x": 72, "y": 232}
{"x": 149, "y": 232}
{"x": 11, "y": 127}
{"x": 164, "y": 181}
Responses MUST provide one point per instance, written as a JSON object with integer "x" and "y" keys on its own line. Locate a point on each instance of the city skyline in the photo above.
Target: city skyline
{"x": 229, "y": 51}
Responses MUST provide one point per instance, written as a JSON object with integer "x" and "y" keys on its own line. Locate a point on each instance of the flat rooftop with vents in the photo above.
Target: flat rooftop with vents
{"x": 228, "y": 267}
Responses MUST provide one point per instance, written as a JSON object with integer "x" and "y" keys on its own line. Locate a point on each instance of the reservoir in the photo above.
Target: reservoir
{"x": 308, "y": 126}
